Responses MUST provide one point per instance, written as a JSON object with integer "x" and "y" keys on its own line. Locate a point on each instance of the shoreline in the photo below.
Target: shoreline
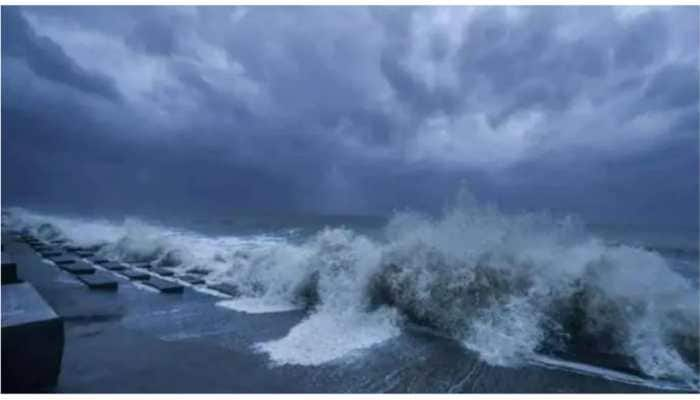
{"x": 138, "y": 341}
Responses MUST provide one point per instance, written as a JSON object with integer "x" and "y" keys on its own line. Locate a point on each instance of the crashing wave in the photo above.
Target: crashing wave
{"x": 509, "y": 287}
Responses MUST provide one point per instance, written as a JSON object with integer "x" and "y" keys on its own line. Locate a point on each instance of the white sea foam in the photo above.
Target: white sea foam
{"x": 327, "y": 336}
{"x": 257, "y": 306}
{"x": 616, "y": 376}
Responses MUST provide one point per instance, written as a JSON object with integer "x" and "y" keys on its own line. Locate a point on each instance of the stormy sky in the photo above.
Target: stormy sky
{"x": 591, "y": 111}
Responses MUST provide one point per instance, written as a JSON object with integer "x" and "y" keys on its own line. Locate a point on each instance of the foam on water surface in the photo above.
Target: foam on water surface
{"x": 343, "y": 335}
{"x": 553, "y": 363}
{"x": 256, "y": 306}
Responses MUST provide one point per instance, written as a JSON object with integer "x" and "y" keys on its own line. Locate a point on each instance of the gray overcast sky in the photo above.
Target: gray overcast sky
{"x": 592, "y": 111}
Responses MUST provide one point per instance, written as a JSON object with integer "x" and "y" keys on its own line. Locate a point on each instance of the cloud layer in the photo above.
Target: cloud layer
{"x": 353, "y": 109}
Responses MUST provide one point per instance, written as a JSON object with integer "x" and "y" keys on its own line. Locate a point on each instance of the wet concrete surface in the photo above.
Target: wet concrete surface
{"x": 32, "y": 340}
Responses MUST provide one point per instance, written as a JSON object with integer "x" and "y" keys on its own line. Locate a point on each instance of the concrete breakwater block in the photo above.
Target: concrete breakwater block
{"x": 114, "y": 266}
{"x": 192, "y": 280}
{"x": 163, "y": 271}
{"x": 142, "y": 265}
{"x": 225, "y": 288}
{"x": 198, "y": 271}
{"x": 98, "y": 260}
{"x": 73, "y": 248}
{"x": 99, "y": 280}
{"x": 45, "y": 249}
{"x": 9, "y": 270}
{"x": 84, "y": 254}
{"x": 49, "y": 248}
{"x": 32, "y": 340}
{"x": 63, "y": 259}
{"x": 50, "y": 253}
{"x": 164, "y": 285}
{"x": 135, "y": 275}
{"x": 78, "y": 268}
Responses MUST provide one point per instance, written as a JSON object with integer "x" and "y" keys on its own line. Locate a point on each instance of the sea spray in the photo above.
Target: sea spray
{"x": 509, "y": 287}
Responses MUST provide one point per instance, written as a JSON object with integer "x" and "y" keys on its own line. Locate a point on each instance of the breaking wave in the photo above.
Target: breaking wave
{"x": 508, "y": 287}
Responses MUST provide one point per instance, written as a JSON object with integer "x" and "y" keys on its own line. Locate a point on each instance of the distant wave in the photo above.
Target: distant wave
{"x": 509, "y": 287}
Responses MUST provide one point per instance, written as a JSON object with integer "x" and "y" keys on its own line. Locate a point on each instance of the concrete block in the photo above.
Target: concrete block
{"x": 225, "y": 288}
{"x": 50, "y": 248}
{"x": 98, "y": 260}
{"x": 73, "y": 248}
{"x": 114, "y": 266}
{"x": 62, "y": 260}
{"x": 47, "y": 248}
{"x": 32, "y": 340}
{"x": 191, "y": 279}
{"x": 50, "y": 253}
{"x": 135, "y": 275}
{"x": 163, "y": 271}
{"x": 9, "y": 270}
{"x": 198, "y": 271}
{"x": 78, "y": 268}
{"x": 99, "y": 280}
{"x": 163, "y": 285}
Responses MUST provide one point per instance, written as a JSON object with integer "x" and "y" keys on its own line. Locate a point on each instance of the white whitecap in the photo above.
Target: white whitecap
{"x": 324, "y": 337}
{"x": 256, "y": 306}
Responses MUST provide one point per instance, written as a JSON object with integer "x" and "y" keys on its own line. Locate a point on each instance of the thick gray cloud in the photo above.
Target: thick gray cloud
{"x": 47, "y": 60}
{"x": 352, "y": 109}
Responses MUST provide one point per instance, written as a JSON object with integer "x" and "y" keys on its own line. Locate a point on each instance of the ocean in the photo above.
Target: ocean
{"x": 515, "y": 290}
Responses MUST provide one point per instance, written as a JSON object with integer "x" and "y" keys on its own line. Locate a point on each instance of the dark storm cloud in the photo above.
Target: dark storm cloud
{"x": 636, "y": 47}
{"x": 47, "y": 59}
{"x": 154, "y": 35}
{"x": 671, "y": 87}
{"x": 352, "y": 109}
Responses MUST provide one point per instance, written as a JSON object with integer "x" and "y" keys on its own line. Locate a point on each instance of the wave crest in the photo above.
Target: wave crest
{"x": 508, "y": 287}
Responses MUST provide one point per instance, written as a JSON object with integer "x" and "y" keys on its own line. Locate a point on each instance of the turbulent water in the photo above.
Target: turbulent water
{"x": 511, "y": 288}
